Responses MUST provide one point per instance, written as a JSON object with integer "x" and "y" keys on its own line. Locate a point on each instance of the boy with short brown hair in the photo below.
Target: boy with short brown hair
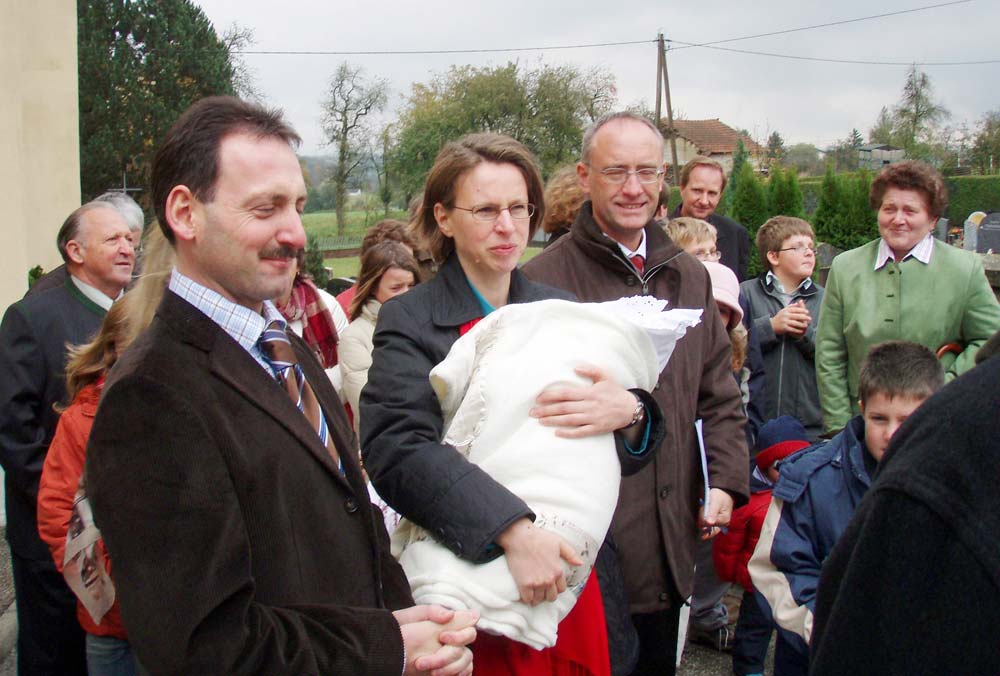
{"x": 820, "y": 487}
{"x": 781, "y": 311}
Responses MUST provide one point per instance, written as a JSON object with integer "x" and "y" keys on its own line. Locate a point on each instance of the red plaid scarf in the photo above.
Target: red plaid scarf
{"x": 318, "y": 329}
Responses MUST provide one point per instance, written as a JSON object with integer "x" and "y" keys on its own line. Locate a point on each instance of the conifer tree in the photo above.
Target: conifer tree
{"x": 796, "y": 204}
{"x": 827, "y": 222}
{"x": 739, "y": 159}
{"x": 775, "y": 190}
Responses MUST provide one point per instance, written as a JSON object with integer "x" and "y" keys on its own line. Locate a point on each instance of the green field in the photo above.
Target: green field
{"x": 323, "y": 224}
{"x": 348, "y": 267}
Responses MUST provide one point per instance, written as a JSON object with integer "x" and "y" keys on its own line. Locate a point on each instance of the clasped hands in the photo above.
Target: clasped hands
{"x": 436, "y": 640}
{"x": 792, "y": 320}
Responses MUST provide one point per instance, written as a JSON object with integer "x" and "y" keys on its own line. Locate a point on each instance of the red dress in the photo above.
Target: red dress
{"x": 580, "y": 650}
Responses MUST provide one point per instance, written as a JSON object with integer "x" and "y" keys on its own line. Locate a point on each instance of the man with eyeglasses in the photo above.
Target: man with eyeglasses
{"x": 702, "y": 182}
{"x": 615, "y": 248}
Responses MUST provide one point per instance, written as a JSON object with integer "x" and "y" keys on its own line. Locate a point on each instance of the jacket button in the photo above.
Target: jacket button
{"x": 664, "y": 492}
{"x": 351, "y": 505}
{"x": 664, "y": 596}
{"x": 630, "y": 280}
{"x": 458, "y": 548}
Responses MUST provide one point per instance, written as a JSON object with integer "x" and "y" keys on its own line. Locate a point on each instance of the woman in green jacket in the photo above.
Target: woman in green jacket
{"x": 905, "y": 285}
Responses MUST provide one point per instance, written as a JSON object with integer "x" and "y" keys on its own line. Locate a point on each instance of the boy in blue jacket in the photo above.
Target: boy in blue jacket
{"x": 820, "y": 486}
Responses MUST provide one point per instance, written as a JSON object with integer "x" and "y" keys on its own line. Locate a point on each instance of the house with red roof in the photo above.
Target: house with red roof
{"x": 713, "y": 138}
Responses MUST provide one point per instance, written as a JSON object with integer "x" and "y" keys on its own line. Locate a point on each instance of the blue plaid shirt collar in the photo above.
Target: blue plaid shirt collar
{"x": 242, "y": 324}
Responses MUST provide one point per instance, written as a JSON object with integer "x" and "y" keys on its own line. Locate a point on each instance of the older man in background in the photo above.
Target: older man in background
{"x": 130, "y": 211}
{"x": 96, "y": 245}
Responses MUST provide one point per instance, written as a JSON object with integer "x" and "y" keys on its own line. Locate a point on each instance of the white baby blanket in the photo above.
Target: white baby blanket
{"x": 486, "y": 385}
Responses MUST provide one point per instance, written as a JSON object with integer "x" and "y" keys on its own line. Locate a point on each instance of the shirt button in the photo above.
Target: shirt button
{"x": 351, "y": 506}
{"x": 664, "y": 492}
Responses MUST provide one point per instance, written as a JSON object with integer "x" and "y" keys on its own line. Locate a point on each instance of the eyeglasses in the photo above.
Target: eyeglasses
{"x": 491, "y": 212}
{"x": 618, "y": 175}
{"x": 708, "y": 256}
{"x": 802, "y": 250}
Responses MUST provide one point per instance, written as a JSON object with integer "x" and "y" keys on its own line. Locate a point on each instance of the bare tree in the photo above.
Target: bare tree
{"x": 917, "y": 116}
{"x": 238, "y": 39}
{"x": 351, "y": 100}
{"x": 598, "y": 84}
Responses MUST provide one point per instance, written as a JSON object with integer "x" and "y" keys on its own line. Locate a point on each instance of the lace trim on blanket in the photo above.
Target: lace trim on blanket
{"x": 466, "y": 425}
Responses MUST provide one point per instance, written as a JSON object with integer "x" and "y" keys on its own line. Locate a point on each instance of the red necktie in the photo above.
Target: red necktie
{"x": 637, "y": 261}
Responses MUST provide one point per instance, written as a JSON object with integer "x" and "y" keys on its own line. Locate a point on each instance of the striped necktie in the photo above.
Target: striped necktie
{"x": 278, "y": 351}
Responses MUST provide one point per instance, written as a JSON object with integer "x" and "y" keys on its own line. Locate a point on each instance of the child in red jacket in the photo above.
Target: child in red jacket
{"x": 732, "y": 550}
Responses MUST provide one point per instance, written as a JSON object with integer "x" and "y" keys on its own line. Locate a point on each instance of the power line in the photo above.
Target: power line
{"x": 683, "y": 45}
{"x": 849, "y": 61}
{"x": 688, "y": 45}
{"x": 451, "y": 51}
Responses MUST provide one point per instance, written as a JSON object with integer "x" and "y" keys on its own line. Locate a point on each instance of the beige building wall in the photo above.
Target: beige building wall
{"x": 39, "y": 135}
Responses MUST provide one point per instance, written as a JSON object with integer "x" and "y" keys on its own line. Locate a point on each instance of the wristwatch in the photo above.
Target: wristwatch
{"x": 639, "y": 414}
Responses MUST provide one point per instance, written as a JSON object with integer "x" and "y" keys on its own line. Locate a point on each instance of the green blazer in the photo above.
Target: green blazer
{"x": 949, "y": 300}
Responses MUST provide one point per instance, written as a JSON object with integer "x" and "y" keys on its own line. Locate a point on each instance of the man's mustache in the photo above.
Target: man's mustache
{"x": 280, "y": 252}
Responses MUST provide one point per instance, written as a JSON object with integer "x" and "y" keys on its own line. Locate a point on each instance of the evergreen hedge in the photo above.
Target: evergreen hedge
{"x": 966, "y": 194}
{"x": 971, "y": 193}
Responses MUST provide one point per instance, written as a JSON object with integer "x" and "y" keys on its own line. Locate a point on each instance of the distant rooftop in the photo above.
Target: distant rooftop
{"x": 878, "y": 146}
{"x": 713, "y": 136}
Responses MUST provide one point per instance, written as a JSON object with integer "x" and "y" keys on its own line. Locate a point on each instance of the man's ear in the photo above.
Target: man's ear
{"x": 182, "y": 212}
{"x": 442, "y": 217}
{"x": 74, "y": 251}
{"x": 861, "y": 404}
{"x": 583, "y": 173}
{"x": 772, "y": 258}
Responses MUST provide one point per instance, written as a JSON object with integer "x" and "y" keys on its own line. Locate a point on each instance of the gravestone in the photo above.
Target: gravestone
{"x": 988, "y": 236}
{"x": 825, "y": 254}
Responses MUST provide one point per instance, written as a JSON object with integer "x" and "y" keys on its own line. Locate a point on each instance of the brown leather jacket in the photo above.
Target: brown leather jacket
{"x": 655, "y": 525}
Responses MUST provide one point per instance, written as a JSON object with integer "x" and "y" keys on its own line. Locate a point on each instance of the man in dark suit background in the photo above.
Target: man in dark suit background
{"x": 95, "y": 244}
{"x": 130, "y": 211}
{"x": 240, "y": 542}
{"x": 702, "y": 183}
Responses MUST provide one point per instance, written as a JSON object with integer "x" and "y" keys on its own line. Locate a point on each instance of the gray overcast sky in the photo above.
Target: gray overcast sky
{"x": 805, "y": 101}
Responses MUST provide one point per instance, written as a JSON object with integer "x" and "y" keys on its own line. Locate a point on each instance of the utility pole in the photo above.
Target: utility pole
{"x": 125, "y": 189}
{"x": 662, "y": 71}
{"x": 659, "y": 79}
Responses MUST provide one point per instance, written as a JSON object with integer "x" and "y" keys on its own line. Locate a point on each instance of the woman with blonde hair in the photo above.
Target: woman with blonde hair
{"x": 64, "y": 520}
{"x": 563, "y": 197}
